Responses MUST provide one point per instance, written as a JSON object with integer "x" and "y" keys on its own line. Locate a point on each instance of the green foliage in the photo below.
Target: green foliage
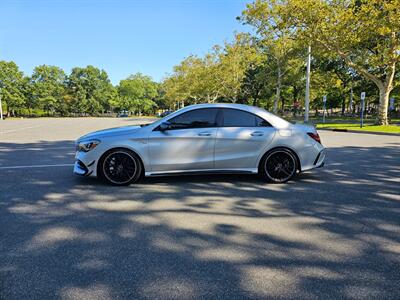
{"x": 137, "y": 94}
{"x": 47, "y": 88}
{"x": 218, "y": 75}
{"x": 355, "y": 48}
{"x": 12, "y": 86}
{"x": 91, "y": 90}
{"x": 366, "y": 127}
{"x": 362, "y": 33}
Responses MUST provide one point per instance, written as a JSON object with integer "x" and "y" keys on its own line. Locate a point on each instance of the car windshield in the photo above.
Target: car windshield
{"x": 160, "y": 118}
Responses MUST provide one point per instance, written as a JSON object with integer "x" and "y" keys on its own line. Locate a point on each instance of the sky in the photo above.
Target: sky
{"x": 120, "y": 36}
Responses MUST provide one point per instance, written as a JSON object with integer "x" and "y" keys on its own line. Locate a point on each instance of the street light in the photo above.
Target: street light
{"x": 307, "y": 100}
{"x": 1, "y": 109}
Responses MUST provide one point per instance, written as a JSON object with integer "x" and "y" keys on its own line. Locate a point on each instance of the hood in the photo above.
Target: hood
{"x": 109, "y": 132}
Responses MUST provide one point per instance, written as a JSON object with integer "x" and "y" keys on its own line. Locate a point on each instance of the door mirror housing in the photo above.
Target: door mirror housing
{"x": 165, "y": 126}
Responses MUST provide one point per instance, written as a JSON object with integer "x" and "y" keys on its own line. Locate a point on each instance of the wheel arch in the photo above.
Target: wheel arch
{"x": 284, "y": 148}
{"x": 98, "y": 168}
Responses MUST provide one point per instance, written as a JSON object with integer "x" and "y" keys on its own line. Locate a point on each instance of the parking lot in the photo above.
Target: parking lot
{"x": 331, "y": 233}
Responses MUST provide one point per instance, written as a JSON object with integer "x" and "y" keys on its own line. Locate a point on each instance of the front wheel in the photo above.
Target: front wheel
{"x": 278, "y": 166}
{"x": 120, "y": 167}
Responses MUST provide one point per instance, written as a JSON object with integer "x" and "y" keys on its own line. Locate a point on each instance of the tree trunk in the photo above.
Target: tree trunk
{"x": 351, "y": 108}
{"x": 255, "y": 101}
{"x": 278, "y": 91}
{"x": 343, "y": 105}
{"x": 385, "y": 87}
{"x": 384, "y": 92}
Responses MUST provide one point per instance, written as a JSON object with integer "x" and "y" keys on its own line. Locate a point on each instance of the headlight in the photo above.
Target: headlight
{"x": 86, "y": 146}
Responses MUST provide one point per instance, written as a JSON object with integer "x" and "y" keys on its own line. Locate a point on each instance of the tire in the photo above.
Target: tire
{"x": 120, "y": 167}
{"x": 278, "y": 165}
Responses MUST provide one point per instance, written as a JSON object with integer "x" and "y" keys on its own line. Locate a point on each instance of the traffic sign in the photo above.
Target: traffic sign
{"x": 391, "y": 104}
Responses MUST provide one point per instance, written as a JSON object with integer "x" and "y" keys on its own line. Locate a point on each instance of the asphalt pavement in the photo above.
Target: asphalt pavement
{"x": 331, "y": 233}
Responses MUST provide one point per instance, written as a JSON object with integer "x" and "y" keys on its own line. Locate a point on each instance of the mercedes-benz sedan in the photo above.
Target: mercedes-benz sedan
{"x": 204, "y": 138}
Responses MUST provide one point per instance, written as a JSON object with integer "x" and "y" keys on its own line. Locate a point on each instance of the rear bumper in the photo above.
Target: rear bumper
{"x": 320, "y": 159}
{"x": 313, "y": 158}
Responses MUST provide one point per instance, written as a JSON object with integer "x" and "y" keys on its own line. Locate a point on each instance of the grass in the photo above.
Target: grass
{"x": 366, "y": 127}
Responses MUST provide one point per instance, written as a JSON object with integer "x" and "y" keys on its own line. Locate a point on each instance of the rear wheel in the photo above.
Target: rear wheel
{"x": 278, "y": 166}
{"x": 120, "y": 167}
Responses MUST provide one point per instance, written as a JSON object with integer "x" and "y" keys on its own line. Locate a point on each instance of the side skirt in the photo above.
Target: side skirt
{"x": 200, "y": 172}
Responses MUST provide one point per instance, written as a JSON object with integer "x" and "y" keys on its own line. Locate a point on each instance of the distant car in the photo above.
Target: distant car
{"x": 204, "y": 138}
{"x": 123, "y": 115}
{"x": 165, "y": 113}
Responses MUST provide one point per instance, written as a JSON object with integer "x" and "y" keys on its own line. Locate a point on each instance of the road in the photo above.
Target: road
{"x": 330, "y": 233}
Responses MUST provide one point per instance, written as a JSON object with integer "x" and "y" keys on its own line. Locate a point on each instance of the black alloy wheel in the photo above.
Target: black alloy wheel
{"x": 279, "y": 166}
{"x": 120, "y": 167}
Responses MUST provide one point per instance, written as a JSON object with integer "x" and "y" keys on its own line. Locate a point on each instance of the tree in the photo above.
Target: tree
{"x": 278, "y": 45}
{"x": 184, "y": 85}
{"x": 48, "y": 87}
{"x": 236, "y": 58}
{"x": 11, "y": 86}
{"x": 137, "y": 93}
{"x": 207, "y": 77}
{"x": 365, "y": 34}
{"x": 90, "y": 89}
{"x": 256, "y": 85}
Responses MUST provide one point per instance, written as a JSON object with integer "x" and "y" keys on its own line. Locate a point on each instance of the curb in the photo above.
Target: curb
{"x": 359, "y": 131}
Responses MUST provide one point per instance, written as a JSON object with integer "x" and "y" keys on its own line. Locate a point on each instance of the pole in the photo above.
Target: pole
{"x": 307, "y": 100}
{"x": 1, "y": 109}
{"x": 362, "y": 109}
{"x": 351, "y": 101}
{"x": 323, "y": 112}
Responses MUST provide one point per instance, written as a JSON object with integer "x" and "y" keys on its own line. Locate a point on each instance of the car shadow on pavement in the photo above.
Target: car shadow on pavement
{"x": 330, "y": 233}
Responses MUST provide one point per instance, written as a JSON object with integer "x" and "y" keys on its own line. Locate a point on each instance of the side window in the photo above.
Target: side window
{"x": 260, "y": 122}
{"x": 198, "y": 118}
{"x": 240, "y": 118}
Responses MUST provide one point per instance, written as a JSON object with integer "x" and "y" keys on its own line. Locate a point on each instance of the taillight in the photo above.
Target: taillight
{"x": 314, "y": 136}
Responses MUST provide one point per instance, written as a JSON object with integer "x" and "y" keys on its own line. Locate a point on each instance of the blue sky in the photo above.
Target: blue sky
{"x": 121, "y": 36}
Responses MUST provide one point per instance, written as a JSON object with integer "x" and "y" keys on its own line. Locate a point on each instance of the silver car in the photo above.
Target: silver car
{"x": 203, "y": 138}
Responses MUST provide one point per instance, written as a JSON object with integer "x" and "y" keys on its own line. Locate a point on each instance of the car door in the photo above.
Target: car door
{"x": 188, "y": 144}
{"x": 241, "y": 139}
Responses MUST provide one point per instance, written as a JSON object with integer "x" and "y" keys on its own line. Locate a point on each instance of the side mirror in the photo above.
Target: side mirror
{"x": 165, "y": 126}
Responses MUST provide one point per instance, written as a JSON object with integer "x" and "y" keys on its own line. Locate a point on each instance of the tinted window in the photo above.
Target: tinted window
{"x": 198, "y": 118}
{"x": 240, "y": 118}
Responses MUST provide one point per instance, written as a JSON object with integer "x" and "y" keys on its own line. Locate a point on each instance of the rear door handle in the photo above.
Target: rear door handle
{"x": 257, "y": 133}
{"x": 205, "y": 133}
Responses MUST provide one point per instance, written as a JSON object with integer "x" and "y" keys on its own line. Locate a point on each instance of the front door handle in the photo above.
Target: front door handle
{"x": 205, "y": 133}
{"x": 257, "y": 133}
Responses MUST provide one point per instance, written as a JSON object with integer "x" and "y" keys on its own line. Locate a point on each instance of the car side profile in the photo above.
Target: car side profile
{"x": 202, "y": 138}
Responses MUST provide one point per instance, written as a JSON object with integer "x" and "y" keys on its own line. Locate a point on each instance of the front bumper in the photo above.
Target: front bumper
{"x": 81, "y": 169}
{"x": 85, "y": 164}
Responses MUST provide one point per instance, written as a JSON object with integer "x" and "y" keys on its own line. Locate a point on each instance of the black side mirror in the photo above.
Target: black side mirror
{"x": 165, "y": 126}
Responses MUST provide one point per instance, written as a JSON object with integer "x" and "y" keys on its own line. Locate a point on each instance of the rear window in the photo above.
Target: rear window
{"x": 240, "y": 118}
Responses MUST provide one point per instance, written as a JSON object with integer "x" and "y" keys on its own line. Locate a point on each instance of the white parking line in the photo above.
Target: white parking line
{"x": 36, "y": 166}
{"x": 19, "y": 129}
{"x": 44, "y": 148}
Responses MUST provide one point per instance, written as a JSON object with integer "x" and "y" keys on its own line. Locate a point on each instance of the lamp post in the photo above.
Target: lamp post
{"x": 1, "y": 109}
{"x": 362, "y": 109}
{"x": 307, "y": 100}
